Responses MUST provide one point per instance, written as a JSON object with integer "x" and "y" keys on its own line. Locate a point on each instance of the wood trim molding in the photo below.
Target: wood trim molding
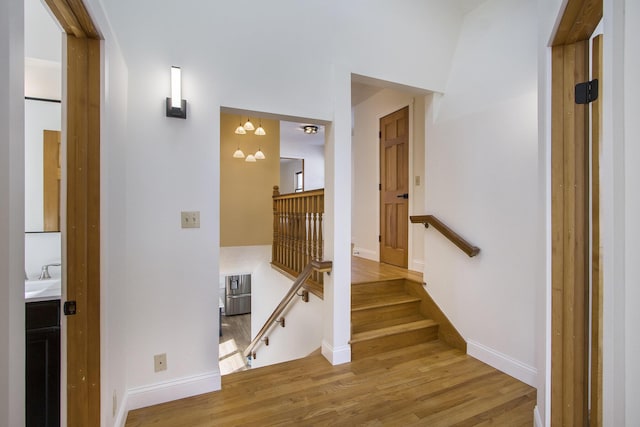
{"x": 82, "y": 256}
{"x": 569, "y": 207}
{"x": 579, "y": 20}
{"x": 570, "y": 216}
{"x": 74, "y": 18}
{"x": 596, "y": 243}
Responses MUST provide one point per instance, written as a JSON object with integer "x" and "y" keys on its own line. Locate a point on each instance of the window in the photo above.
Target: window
{"x": 299, "y": 182}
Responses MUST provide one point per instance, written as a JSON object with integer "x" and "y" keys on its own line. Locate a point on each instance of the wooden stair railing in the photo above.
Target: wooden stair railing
{"x": 297, "y": 233}
{"x": 454, "y": 237}
{"x": 313, "y": 266}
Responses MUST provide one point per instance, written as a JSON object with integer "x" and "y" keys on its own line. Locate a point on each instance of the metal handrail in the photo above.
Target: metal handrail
{"x": 317, "y": 265}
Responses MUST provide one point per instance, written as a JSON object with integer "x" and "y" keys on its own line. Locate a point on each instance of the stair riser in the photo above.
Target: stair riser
{"x": 379, "y": 314}
{"x": 392, "y": 342}
{"x": 377, "y": 287}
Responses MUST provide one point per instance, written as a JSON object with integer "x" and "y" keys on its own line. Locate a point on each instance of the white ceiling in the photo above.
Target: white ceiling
{"x": 292, "y": 132}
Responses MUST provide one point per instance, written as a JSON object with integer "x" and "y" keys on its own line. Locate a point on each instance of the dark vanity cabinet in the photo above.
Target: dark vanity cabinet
{"x": 43, "y": 363}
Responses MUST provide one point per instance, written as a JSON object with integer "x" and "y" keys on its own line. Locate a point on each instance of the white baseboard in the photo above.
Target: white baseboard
{"x": 180, "y": 388}
{"x": 337, "y": 356}
{"x": 365, "y": 253}
{"x": 417, "y": 265}
{"x": 537, "y": 418}
{"x": 121, "y": 416}
{"x": 510, "y": 366}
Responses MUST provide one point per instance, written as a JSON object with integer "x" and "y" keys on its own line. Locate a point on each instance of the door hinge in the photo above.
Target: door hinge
{"x": 380, "y": 134}
{"x": 379, "y": 187}
{"x": 379, "y": 238}
{"x": 586, "y": 92}
{"x": 69, "y": 308}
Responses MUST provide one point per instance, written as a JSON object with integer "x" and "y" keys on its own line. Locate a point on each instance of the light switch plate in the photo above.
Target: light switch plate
{"x": 191, "y": 219}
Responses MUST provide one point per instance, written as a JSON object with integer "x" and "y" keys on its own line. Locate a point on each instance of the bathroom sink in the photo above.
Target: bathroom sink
{"x": 42, "y": 290}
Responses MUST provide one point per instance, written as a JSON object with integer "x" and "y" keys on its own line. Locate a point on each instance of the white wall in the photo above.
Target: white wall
{"x": 41, "y": 249}
{"x": 482, "y": 180}
{"x": 632, "y": 210}
{"x": 11, "y": 214}
{"x": 313, "y": 156}
{"x": 288, "y": 170}
{"x": 365, "y": 203}
{"x": 302, "y": 333}
{"x": 172, "y": 165}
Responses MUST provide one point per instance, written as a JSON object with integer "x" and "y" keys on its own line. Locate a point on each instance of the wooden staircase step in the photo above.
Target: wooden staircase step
{"x": 378, "y": 341}
{"x": 385, "y": 322}
{"x": 393, "y": 330}
{"x": 366, "y": 315}
{"x": 376, "y": 301}
{"x": 378, "y": 286}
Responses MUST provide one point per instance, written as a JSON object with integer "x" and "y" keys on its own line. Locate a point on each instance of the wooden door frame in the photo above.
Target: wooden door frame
{"x": 81, "y": 230}
{"x": 570, "y": 222}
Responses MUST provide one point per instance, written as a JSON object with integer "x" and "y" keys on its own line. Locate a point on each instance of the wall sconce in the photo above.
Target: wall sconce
{"x": 176, "y": 106}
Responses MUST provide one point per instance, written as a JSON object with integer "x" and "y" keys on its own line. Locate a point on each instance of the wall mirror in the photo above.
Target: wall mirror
{"x": 291, "y": 175}
{"x": 42, "y": 165}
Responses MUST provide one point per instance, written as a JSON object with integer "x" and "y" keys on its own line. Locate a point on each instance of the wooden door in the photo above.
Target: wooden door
{"x": 394, "y": 188}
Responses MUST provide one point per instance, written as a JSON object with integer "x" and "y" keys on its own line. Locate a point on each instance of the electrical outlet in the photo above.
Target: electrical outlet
{"x": 160, "y": 362}
{"x": 191, "y": 219}
{"x": 114, "y": 408}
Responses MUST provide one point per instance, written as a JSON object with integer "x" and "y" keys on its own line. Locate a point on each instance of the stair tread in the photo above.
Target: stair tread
{"x": 378, "y": 301}
{"x": 392, "y": 330}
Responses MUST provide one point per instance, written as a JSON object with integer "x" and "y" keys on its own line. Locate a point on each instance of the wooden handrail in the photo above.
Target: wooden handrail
{"x": 454, "y": 237}
{"x": 314, "y": 265}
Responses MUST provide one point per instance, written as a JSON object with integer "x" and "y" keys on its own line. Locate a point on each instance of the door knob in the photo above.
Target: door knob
{"x": 403, "y": 196}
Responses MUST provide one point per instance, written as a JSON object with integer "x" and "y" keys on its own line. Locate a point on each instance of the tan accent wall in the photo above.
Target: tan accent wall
{"x": 246, "y": 210}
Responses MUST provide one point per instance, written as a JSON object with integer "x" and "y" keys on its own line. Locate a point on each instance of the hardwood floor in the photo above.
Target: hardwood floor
{"x": 429, "y": 384}
{"x": 364, "y": 270}
{"x": 426, "y": 384}
{"x": 236, "y": 337}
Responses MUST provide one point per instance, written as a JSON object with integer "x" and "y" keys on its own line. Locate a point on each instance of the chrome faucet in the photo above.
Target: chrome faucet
{"x": 44, "y": 273}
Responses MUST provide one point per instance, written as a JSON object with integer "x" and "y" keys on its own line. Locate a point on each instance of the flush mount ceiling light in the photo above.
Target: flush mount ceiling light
{"x": 176, "y": 106}
{"x": 248, "y": 125}
{"x": 310, "y": 129}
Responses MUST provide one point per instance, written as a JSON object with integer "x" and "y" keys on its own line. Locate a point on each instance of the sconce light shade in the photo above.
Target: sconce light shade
{"x": 250, "y": 158}
{"x": 260, "y": 155}
{"x": 176, "y": 106}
